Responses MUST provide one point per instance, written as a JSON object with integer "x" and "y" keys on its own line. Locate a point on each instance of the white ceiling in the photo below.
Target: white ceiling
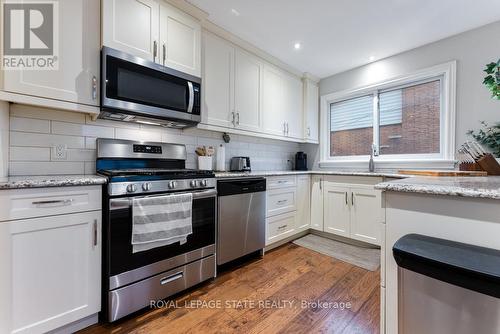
{"x": 337, "y": 35}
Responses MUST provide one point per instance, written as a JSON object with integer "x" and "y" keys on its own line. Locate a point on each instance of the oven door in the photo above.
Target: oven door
{"x": 125, "y": 267}
{"x": 143, "y": 88}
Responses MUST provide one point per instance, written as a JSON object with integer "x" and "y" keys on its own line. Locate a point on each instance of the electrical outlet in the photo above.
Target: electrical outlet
{"x": 59, "y": 152}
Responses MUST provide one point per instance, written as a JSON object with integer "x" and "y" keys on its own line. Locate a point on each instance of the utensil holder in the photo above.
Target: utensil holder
{"x": 489, "y": 164}
{"x": 204, "y": 163}
{"x": 470, "y": 166}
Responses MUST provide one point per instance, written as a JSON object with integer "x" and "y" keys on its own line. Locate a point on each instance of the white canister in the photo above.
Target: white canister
{"x": 221, "y": 158}
{"x": 204, "y": 163}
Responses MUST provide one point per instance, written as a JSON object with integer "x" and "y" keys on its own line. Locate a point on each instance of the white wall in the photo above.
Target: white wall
{"x": 34, "y": 131}
{"x": 472, "y": 50}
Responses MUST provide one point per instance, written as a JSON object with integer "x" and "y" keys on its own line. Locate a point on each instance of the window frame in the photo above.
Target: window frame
{"x": 446, "y": 73}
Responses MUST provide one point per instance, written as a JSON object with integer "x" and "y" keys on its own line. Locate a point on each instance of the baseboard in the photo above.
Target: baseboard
{"x": 77, "y": 325}
{"x": 342, "y": 239}
{"x": 286, "y": 240}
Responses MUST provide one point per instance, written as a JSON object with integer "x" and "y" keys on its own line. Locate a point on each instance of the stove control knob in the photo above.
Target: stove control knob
{"x": 193, "y": 183}
{"x": 203, "y": 183}
{"x": 146, "y": 186}
{"x": 131, "y": 188}
{"x": 172, "y": 185}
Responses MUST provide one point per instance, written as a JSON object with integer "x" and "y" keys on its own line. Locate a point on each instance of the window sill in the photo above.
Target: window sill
{"x": 390, "y": 164}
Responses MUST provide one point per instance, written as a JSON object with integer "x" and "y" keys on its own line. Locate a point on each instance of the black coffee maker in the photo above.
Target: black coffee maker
{"x": 300, "y": 161}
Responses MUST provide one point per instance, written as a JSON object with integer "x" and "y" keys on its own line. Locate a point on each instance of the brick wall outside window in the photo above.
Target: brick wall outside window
{"x": 419, "y": 132}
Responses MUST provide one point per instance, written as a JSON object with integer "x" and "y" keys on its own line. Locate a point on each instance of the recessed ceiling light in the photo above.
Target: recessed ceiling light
{"x": 372, "y": 58}
{"x": 297, "y": 46}
{"x": 235, "y": 12}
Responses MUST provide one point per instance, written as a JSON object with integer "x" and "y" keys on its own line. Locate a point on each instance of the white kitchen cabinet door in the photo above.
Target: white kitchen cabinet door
{"x": 303, "y": 218}
{"x": 336, "y": 209}
{"x": 311, "y": 105}
{"x": 218, "y": 81}
{"x": 294, "y": 106}
{"x": 247, "y": 91}
{"x": 317, "y": 203}
{"x": 273, "y": 102}
{"x": 77, "y": 77}
{"x": 366, "y": 215}
{"x": 180, "y": 40}
{"x": 132, "y": 26}
{"x": 54, "y": 271}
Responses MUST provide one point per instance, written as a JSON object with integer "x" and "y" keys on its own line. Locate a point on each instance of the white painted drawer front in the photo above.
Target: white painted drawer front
{"x": 281, "y": 201}
{"x": 280, "y": 227}
{"x": 40, "y": 202}
{"x": 281, "y": 182}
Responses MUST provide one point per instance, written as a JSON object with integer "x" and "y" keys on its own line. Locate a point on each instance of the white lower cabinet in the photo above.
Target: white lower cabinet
{"x": 366, "y": 214}
{"x": 50, "y": 270}
{"x": 303, "y": 202}
{"x": 336, "y": 210}
{"x": 288, "y": 206}
{"x": 317, "y": 203}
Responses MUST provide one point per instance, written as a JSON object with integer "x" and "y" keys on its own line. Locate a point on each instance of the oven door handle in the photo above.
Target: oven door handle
{"x": 123, "y": 203}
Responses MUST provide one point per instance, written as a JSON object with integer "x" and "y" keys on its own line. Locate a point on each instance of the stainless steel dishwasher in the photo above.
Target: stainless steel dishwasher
{"x": 242, "y": 218}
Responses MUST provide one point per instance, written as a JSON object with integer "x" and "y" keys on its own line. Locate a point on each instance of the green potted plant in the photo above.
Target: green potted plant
{"x": 492, "y": 80}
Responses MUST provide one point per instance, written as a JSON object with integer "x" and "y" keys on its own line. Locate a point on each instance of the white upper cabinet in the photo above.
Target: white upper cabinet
{"x": 132, "y": 26}
{"x": 180, "y": 39}
{"x": 77, "y": 78}
{"x": 247, "y": 91}
{"x": 294, "y": 106}
{"x": 273, "y": 102}
{"x": 311, "y": 111}
{"x": 218, "y": 81}
{"x": 153, "y": 30}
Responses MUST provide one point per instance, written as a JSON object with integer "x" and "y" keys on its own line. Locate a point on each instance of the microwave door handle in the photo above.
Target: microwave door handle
{"x": 191, "y": 97}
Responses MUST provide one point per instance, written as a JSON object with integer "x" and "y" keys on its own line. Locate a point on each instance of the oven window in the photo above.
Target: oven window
{"x": 138, "y": 84}
{"x": 121, "y": 258}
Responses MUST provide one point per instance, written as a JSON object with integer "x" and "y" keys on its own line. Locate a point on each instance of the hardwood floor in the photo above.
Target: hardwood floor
{"x": 289, "y": 276}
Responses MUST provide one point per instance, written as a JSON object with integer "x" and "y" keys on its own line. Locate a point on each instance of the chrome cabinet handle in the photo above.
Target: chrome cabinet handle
{"x": 352, "y": 199}
{"x": 155, "y": 50}
{"x": 171, "y": 278}
{"x": 164, "y": 53}
{"x": 53, "y": 203}
{"x": 233, "y": 118}
{"x": 191, "y": 97}
{"x": 346, "y": 198}
{"x": 287, "y": 128}
{"x": 94, "y": 88}
{"x": 309, "y": 131}
{"x": 282, "y": 227}
{"x": 95, "y": 232}
{"x": 320, "y": 187}
{"x": 281, "y": 181}
{"x": 237, "y": 118}
{"x": 282, "y": 201}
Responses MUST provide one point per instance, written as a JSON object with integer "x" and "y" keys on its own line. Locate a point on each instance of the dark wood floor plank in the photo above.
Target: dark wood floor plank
{"x": 289, "y": 273}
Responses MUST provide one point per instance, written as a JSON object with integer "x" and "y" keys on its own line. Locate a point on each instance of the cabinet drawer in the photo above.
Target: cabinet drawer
{"x": 281, "y": 182}
{"x": 281, "y": 201}
{"x": 280, "y": 227}
{"x": 40, "y": 202}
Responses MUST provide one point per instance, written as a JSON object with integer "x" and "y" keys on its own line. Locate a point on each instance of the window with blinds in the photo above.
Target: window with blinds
{"x": 407, "y": 120}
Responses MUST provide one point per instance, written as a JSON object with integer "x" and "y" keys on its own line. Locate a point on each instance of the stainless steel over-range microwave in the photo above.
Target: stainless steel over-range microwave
{"x": 138, "y": 90}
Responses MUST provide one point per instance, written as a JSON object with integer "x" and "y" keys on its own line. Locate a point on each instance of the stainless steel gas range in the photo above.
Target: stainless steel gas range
{"x": 131, "y": 281}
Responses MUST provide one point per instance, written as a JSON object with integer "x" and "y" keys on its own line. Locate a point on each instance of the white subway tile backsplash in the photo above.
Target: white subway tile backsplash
{"x": 44, "y": 140}
{"x": 46, "y": 168}
{"x": 73, "y": 129}
{"x": 34, "y": 131}
{"x": 29, "y": 125}
{"x": 29, "y": 153}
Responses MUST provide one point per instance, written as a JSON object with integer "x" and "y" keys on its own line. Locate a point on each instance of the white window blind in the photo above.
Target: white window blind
{"x": 391, "y": 107}
{"x": 354, "y": 113}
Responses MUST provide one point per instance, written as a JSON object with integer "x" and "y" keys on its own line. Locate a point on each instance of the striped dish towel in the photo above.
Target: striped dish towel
{"x": 161, "y": 220}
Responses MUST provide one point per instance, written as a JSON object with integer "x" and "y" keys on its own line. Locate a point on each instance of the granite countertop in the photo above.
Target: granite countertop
{"x": 19, "y": 182}
{"x": 479, "y": 187}
{"x": 314, "y": 172}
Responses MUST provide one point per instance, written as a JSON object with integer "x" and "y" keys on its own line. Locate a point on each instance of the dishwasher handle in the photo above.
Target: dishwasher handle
{"x": 241, "y": 186}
